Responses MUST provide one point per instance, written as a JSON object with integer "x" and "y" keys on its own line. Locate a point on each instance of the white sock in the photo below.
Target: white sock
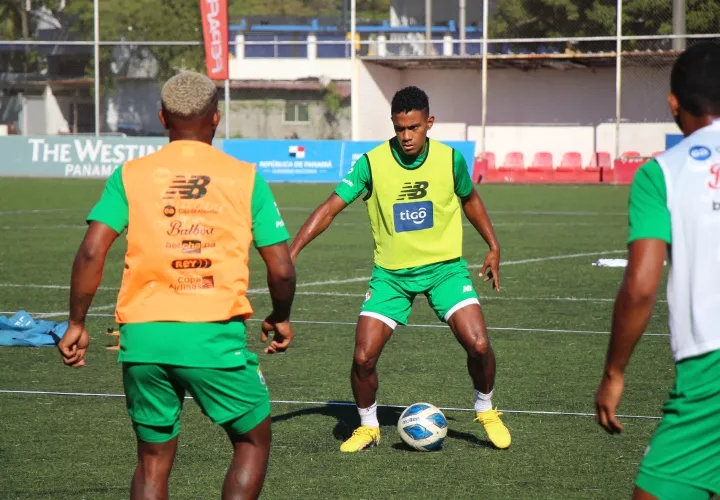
{"x": 368, "y": 416}
{"x": 483, "y": 401}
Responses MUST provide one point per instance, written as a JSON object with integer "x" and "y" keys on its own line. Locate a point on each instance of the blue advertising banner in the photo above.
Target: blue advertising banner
{"x": 672, "y": 140}
{"x": 276, "y": 160}
{"x": 290, "y": 161}
{"x": 73, "y": 157}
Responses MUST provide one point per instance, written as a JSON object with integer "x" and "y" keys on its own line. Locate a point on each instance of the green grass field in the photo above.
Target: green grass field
{"x": 548, "y": 327}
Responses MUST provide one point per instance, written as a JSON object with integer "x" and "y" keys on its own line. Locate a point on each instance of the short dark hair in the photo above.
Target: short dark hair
{"x": 695, "y": 79}
{"x": 410, "y": 99}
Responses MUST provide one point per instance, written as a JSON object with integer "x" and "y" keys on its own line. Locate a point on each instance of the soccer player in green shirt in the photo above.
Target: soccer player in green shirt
{"x": 415, "y": 189}
{"x": 191, "y": 213}
{"x": 674, "y": 209}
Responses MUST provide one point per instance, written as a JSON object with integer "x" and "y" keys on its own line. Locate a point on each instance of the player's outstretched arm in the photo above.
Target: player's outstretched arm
{"x": 84, "y": 282}
{"x": 477, "y": 215}
{"x": 281, "y": 283}
{"x": 633, "y": 308}
{"x": 318, "y": 222}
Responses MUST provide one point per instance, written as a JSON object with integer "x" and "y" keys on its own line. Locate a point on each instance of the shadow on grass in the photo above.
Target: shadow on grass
{"x": 347, "y": 420}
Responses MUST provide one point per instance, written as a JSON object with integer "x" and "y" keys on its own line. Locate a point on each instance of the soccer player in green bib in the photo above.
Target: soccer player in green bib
{"x": 674, "y": 210}
{"x": 415, "y": 189}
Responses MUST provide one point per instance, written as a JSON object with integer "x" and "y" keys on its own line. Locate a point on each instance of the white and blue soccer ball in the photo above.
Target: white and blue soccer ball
{"x": 423, "y": 427}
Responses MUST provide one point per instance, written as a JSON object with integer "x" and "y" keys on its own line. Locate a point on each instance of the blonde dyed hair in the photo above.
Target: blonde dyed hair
{"x": 188, "y": 94}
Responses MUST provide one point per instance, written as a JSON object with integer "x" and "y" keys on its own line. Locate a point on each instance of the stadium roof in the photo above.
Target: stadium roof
{"x": 569, "y": 60}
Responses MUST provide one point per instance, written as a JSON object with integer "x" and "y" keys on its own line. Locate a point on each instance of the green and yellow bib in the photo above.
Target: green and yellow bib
{"x": 414, "y": 213}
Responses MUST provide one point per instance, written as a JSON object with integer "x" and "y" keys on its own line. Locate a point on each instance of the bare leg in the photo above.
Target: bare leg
{"x": 152, "y": 474}
{"x": 641, "y": 494}
{"x": 468, "y": 325}
{"x": 371, "y": 336}
{"x": 246, "y": 475}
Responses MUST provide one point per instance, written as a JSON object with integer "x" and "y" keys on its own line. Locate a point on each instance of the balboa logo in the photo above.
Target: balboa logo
{"x": 169, "y": 211}
{"x": 413, "y": 216}
{"x": 700, "y": 153}
{"x": 177, "y": 229}
{"x": 191, "y": 264}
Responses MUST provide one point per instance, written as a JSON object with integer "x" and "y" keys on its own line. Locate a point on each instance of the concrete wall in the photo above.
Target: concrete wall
{"x": 260, "y": 114}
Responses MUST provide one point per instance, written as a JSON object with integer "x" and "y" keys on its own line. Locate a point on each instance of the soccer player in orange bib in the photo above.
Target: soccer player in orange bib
{"x": 191, "y": 214}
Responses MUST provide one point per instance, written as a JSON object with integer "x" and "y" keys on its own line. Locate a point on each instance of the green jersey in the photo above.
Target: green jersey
{"x": 209, "y": 345}
{"x": 648, "y": 213}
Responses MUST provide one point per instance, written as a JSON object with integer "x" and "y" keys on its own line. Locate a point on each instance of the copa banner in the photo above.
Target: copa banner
{"x": 215, "y": 34}
{"x": 276, "y": 160}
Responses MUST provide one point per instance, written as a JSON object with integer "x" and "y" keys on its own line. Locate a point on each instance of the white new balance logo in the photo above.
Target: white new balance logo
{"x": 467, "y": 288}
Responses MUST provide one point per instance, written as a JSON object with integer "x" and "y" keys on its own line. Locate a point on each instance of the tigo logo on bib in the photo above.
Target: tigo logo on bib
{"x": 413, "y": 216}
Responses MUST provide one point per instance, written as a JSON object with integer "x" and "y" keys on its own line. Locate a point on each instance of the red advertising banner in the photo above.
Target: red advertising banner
{"x": 215, "y": 34}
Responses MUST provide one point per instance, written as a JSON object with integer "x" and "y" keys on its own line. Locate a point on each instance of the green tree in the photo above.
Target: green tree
{"x": 367, "y": 9}
{"x": 143, "y": 21}
{"x": 568, "y": 18}
{"x": 16, "y": 23}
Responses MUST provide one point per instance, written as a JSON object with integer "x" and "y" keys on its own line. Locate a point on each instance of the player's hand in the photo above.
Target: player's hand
{"x": 607, "y": 400}
{"x": 73, "y": 345}
{"x": 492, "y": 264}
{"x": 282, "y": 335}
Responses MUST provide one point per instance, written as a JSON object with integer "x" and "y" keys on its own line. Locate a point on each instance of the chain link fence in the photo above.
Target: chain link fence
{"x": 290, "y": 71}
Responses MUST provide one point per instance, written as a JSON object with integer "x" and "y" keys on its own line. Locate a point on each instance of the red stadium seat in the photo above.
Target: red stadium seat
{"x": 541, "y": 168}
{"x": 570, "y": 161}
{"x": 512, "y": 168}
{"x": 600, "y": 159}
{"x": 542, "y": 160}
{"x": 570, "y": 170}
{"x": 484, "y": 169}
{"x": 514, "y": 160}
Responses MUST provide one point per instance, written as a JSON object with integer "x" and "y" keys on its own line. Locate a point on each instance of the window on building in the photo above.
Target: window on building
{"x": 296, "y": 112}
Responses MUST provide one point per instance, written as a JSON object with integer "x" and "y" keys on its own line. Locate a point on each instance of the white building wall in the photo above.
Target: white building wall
{"x": 376, "y": 86}
{"x": 55, "y": 114}
{"x": 530, "y": 111}
{"x": 288, "y": 69}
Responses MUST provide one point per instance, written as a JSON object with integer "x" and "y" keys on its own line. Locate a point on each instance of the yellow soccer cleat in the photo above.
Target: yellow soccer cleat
{"x": 364, "y": 437}
{"x": 497, "y": 433}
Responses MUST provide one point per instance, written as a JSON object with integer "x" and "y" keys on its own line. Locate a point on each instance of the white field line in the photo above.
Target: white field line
{"x": 328, "y": 403}
{"x": 358, "y": 279}
{"x": 43, "y": 228}
{"x": 46, "y": 211}
{"x": 556, "y": 257}
{"x": 412, "y": 325}
{"x": 474, "y": 266}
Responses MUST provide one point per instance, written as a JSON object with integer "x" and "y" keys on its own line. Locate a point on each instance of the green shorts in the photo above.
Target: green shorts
{"x": 447, "y": 286}
{"x": 235, "y": 398}
{"x": 683, "y": 457}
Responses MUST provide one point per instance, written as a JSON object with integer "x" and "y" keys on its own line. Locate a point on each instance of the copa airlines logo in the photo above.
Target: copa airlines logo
{"x": 413, "y": 216}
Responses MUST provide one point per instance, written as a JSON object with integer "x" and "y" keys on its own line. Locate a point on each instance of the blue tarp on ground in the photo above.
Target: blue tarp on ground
{"x": 21, "y": 330}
